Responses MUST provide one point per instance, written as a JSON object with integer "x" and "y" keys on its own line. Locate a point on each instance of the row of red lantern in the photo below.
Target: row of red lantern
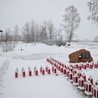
{"x": 91, "y": 89}
{"x": 86, "y": 65}
{"x": 83, "y": 66}
{"x": 71, "y": 67}
{"x": 70, "y": 71}
{"x": 55, "y": 62}
{"x": 30, "y": 73}
{"x": 78, "y": 78}
{"x": 61, "y": 67}
{"x": 57, "y": 65}
{"x": 95, "y": 91}
{"x": 81, "y": 82}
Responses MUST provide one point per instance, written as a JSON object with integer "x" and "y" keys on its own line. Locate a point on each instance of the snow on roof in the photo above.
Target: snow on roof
{"x": 75, "y": 75}
{"x": 16, "y": 70}
{"x": 22, "y": 69}
{"x": 70, "y": 72}
{"x": 88, "y": 82}
{"x": 29, "y": 68}
{"x": 81, "y": 78}
{"x": 67, "y": 70}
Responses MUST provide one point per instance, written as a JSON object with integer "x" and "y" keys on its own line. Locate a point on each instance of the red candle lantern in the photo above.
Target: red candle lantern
{"x": 75, "y": 79}
{"x": 30, "y": 72}
{"x": 88, "y": 88}
{"x": 71, "y": 69}
{"x": 36, "y": 72}
{"x": 95, "y": 65}
{"x": 23, "y": 72}
{"x": 74, "y": 71}
{"x": 96, "y": 83}
{"x": 43, "y": 72}
{"x": 84, "y": 66}
{"x": 91, "y": 66}
{"x": 79, "y": 74}
{"x": 81, "y": 83}
{"x": 64, "y": 71}
{"x": 55, "y": 71}
{"x": 95, "y": 91}
{"x": 84, "y": 77}
{"x": 67, "y": 72}
{"x": 55, "y": 64}
{"x": 76, "y": 66}
{"x": 90, "y": 79}
{"x": 48, "y": 70}
{"x": 79, "y": 67}
{"x": 53, "y": 68}
{"x": 16, "y": 73}
{"x": 61, "y": 69}
{"x": 71, "y": 76}
{"x": 87, "y": 64}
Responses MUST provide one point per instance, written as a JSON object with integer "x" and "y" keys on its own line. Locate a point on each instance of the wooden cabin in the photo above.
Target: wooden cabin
{"x": 82, "y": 55}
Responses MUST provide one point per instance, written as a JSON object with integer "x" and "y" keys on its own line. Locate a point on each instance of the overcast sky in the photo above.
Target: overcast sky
{"x": 19, "y": 12}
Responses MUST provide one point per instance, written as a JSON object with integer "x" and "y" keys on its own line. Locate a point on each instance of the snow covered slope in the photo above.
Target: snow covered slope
{"x": 41, "y": 86}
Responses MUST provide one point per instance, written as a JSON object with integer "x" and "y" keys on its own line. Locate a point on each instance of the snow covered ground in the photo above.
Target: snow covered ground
{"x": 41, "y": 86}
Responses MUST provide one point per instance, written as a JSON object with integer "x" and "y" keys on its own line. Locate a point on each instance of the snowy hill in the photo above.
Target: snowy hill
{"x": 41, "y": 86}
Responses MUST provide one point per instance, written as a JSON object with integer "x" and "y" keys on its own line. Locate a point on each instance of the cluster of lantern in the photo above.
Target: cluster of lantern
{"x": 36, "y": 72}
{"x": 73, "y": 73}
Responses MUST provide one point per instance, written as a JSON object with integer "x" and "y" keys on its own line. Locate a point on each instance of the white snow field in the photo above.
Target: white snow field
{"x": 41, "y": 86}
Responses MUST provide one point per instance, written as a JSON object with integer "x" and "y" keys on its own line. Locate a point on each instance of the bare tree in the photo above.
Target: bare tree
{"x": 32, "y": 31}
{"x": 16, "y": 33}
{"x": 71, "y": 21}
{"x": 37, "y": 32}
{"x": 50, "y": 29}
{"x": 93, "y": 8}
{"x": 96, "y": 39}
{"x": 26, "y": 32}
{"x": 43, "y": 31}
{"x": 8, "y": 44}
{"x": 8, "y": 36}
